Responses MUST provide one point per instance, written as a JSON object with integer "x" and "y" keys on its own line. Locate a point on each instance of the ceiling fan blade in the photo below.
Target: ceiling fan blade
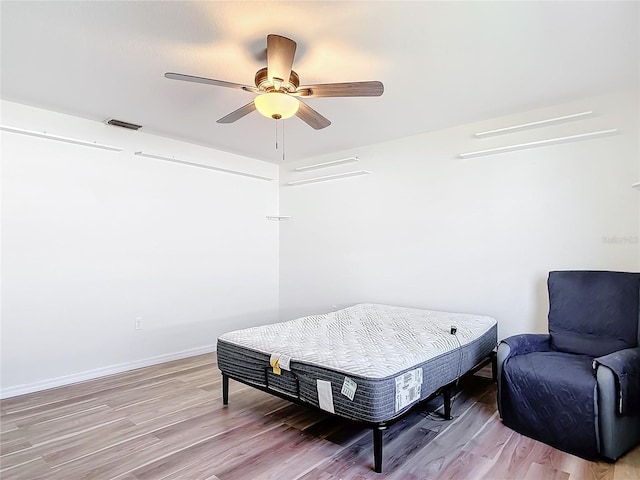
{"x": 311, "y": 117}
{"x": 209, "y": 81}
{"x": 280, "y": 53}
{"x": 347, "y": 89}
{"x": 238, "y": 114}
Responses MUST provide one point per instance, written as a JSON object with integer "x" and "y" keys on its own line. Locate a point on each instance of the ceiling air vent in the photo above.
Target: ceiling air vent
{"x": 120, "y": 123}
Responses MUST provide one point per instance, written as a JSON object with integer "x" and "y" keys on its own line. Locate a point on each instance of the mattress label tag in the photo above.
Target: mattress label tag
{"x": 349, "y": 388}
{"x": 284, "y": 361}
{"x": 325, "y": 395}
{"x": 408, "y": 388}
{"x": 273, "y": 361}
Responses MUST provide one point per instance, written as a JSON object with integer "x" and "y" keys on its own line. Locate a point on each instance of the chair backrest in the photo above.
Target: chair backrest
{"x": 594, "y": 312}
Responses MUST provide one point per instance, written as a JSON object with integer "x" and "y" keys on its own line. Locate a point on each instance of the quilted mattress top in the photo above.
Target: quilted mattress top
{"x": 367, "y": 340}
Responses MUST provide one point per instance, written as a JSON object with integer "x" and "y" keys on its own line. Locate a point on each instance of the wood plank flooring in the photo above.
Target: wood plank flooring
{"x": 167, "y": 422}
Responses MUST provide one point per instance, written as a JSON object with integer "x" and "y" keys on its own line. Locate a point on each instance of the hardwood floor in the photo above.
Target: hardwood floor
{"x": 167, "y": 422}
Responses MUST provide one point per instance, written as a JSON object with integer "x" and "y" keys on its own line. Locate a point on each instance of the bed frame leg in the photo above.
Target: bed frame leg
{"x": 225, "y": 389}
{"x": 494, "y": 367}
{"x": 446, "y": 395}
{"x": 377, "y": 448}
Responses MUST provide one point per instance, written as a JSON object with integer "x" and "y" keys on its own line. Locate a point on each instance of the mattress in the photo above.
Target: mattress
{"x": 367, "y": 362}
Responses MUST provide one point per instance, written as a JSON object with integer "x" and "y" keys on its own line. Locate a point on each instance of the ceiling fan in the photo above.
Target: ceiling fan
{"x": 278, "y": 88}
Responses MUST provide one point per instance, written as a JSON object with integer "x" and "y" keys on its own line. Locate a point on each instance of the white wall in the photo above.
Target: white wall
{"x": 430, "y": 230}
{"x": 93, "y": 239}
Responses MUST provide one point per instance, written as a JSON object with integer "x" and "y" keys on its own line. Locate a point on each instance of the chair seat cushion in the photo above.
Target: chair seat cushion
{"x": 551, "y": 397}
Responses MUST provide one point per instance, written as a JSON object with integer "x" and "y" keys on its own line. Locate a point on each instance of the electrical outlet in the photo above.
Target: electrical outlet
{"x": 138, "y": 323}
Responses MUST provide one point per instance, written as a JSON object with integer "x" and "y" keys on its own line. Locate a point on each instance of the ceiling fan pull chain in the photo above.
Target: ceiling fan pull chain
{"x": 283, "y": 144}
{"x": 276, "y": 134}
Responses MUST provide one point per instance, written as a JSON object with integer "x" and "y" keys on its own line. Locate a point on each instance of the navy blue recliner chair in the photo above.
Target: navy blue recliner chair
{"x": 578, "y": 387}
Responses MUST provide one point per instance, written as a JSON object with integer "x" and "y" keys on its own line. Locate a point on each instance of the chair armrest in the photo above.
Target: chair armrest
{"x": 518, "y": 345}
{"x": 625, "y": 365}
{"x": 528, "y": 343}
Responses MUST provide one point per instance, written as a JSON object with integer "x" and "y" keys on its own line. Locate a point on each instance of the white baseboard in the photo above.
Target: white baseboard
{"x": 102, "y": 372}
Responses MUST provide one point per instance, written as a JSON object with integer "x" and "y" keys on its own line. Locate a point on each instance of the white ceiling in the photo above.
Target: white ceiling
{"x": 442, "y": 63}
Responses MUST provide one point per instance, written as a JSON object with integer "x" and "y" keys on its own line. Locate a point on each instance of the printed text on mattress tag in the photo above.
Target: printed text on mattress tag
{"x": 408, "y": 388}
{"x": 284, "y": 362}
{"x": 349, "y": 388}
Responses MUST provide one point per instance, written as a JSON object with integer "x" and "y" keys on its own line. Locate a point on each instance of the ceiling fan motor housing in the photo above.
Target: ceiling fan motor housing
{"x": 263, "y": 83}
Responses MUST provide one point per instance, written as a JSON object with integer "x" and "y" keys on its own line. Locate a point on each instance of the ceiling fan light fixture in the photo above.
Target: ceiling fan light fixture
{"x": 277, "y": 105}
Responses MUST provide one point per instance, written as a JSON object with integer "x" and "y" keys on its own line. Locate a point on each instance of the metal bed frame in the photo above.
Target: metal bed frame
{"x": 377, "y": 427}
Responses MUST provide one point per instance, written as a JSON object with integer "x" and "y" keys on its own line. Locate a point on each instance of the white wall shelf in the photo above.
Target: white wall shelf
{"x": 58, "y": 138}
{"x": 539, "y": 123}
{"x": 327, "y": 178}
{"x": 200, "y": 165}
{"x": 332, "y": 163}
{"x": 278, "y": 218}
{"x": 540, "y": 143}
